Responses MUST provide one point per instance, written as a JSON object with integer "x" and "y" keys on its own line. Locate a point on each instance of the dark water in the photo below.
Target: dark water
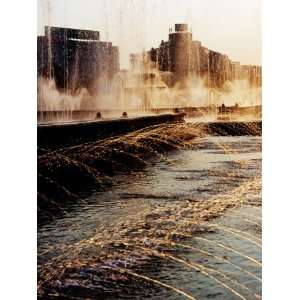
{"x": 217, "y": 166}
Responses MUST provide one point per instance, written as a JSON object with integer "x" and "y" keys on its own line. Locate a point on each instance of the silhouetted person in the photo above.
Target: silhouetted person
{"x": 223, "y": 109}
{"x": 124, "y": 114}
{"x": 98, "y": 115}
{"x": 176, "y": 110}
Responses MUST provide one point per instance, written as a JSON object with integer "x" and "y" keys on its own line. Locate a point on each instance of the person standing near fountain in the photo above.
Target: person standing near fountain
{"x": 98, "y": 115}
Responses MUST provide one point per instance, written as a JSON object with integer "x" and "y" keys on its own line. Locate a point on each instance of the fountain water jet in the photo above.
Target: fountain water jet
{"x": 217, "y": 257}
{"x": 229, "y": 249}
{"x": 155, "y": 281}
{"x": 237, "y": 232}
{"x": 199, "y": 268}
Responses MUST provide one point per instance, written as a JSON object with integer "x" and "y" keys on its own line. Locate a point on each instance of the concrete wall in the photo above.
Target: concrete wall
{"x": 56, "y": 136}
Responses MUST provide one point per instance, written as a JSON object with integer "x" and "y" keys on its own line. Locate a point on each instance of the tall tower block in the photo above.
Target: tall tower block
{"x": 180, "y": 51}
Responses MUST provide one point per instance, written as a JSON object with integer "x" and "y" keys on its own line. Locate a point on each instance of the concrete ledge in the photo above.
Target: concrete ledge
{"x": 56, "y": 136}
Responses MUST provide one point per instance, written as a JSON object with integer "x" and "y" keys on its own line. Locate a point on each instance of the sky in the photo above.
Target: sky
{"x": 232, "y": 27}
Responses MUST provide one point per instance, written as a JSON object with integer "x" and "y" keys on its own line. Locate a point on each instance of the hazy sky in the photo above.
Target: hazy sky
{"x": 232, "y": 27}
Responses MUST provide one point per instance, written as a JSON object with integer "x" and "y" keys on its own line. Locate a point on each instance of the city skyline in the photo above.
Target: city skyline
{"x": 216, "y": 30}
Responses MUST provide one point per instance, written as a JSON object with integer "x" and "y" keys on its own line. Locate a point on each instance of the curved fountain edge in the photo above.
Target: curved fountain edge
{"x": 60, "y": 135}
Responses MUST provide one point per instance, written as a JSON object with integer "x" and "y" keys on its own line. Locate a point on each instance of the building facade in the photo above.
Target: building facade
{"x": 183, "y": 57}
{"x": 75, "y": 58}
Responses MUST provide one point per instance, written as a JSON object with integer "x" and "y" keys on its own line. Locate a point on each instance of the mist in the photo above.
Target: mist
{"x": 130, "y": 91}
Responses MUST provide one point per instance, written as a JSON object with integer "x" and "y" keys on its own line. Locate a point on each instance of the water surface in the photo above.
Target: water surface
{"x": 214, "y": 167}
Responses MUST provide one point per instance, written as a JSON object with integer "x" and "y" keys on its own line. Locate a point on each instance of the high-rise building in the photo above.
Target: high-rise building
{"x": 183, "y": 57}
{"x": 75, "y": 58}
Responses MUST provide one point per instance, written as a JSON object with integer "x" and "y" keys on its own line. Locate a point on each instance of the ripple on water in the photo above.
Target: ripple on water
{"x": 217, "y": 166}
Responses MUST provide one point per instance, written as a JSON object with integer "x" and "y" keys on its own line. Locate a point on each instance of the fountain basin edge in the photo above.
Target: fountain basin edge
{"x": 60, "y": 135}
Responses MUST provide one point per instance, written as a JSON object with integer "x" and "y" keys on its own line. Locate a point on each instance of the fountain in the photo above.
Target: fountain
{"x": 144, "y": 191}
{"x": 184, "y": 234}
